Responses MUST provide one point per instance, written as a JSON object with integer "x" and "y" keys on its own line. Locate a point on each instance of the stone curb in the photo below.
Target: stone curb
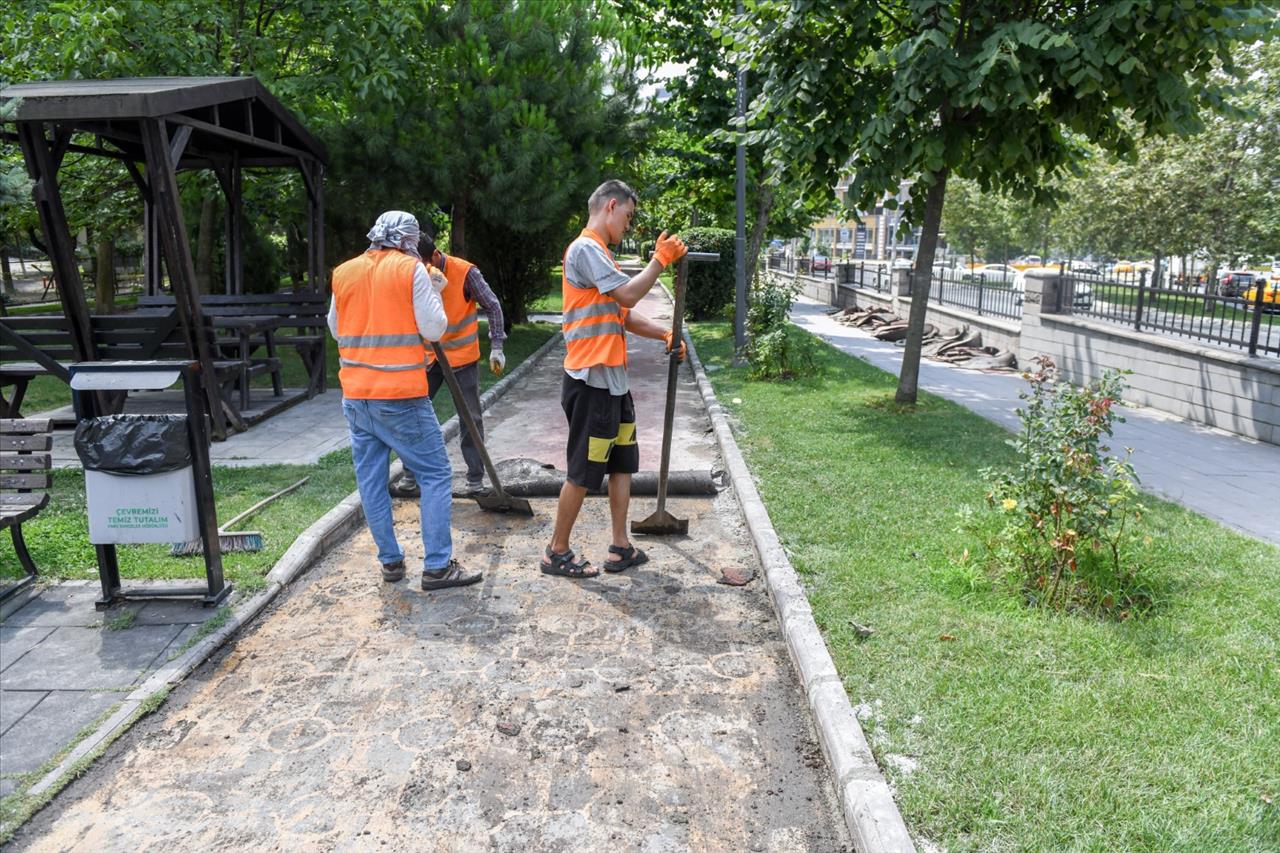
{"x": 869, "y": 810}
{"x": 312, "y": 544}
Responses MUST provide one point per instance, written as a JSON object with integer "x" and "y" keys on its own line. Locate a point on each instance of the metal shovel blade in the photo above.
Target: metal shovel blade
{"x": 661, "y": 523}
{"x": 503, "y": 503}
{"x": 497, "y": 500}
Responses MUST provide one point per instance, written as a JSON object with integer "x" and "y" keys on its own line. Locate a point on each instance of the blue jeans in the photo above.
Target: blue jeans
{"x": 409, "y": 427}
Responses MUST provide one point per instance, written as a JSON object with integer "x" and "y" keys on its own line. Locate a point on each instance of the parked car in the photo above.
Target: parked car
{"x": 820, "y": 262}
{"x": 1233, "y": 283}
{"x": 1084, "y": 271}
{"x": 991, "y": 274}
{"x": 1132, "y": 267}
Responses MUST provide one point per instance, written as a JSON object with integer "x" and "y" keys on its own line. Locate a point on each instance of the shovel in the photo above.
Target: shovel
{"x": 663, "y": 522}
{"x": 499, "y": 501}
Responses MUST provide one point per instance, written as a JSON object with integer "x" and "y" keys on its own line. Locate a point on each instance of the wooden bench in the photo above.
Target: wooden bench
{"x": 303, "y": 322}
{"x": 40, "y": 344}
{"x": 25, "y": 461}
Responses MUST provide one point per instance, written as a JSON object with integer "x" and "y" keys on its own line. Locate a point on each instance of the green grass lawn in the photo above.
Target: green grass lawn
{"x": 1002, "y": 728}
{"x": 58, "y": 536}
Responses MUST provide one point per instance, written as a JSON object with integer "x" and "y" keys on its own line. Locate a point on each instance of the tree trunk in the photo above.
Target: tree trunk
{"x": 458, "y": 228}
{"x": 922, "y": 278}
{"x": 295, "y": 256}
{"x": 104, "y": 282}
{"x": 204, "y": 245}
{"x": 1155, "y": 273}
{"x": 5, "y": 272}
{"x": 764, "y": 204}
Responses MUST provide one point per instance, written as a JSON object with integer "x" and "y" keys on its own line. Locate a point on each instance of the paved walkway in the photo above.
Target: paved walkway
{"x": 63, "y": 664}
{"x": 1233, "y": 480}
{"x": 656, "y": 710}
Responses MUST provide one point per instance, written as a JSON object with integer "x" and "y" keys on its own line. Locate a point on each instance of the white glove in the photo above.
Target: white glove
{"x": 438, "y": 281}
{"x": 497, "y": 361}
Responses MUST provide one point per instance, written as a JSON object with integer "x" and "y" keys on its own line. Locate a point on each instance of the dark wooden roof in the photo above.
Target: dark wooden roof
{"x": 226, "y": 115}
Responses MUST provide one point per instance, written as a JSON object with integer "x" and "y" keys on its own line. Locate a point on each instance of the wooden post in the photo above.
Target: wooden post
{"x": 177, "y": 253}
{"x": 42, "y": 165}
{"x": 231, "y": 178}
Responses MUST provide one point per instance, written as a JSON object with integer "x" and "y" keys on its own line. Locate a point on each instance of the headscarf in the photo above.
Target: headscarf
{"x": 395, "y": 229}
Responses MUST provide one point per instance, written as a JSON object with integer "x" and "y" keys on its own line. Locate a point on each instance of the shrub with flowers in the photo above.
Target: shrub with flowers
{"x": 1068, "y": 506}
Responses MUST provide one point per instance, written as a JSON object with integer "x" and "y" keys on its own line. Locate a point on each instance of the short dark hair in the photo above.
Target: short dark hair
{"x": 612, "y": 188}
{"x": 426, "y": 246}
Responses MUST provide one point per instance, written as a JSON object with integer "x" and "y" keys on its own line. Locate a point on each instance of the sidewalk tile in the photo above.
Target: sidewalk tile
{"x": 90, "y": 658}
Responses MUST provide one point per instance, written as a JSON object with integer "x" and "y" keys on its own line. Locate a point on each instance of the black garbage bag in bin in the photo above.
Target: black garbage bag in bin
{"x": 134, "y": 445}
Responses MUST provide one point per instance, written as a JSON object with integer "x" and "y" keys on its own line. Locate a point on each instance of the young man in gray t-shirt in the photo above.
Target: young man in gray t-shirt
{"x": 595, "y": 396}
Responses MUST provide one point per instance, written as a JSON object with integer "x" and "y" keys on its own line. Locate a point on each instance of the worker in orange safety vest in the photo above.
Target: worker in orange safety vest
{"x": 386, "y": 304}
{"x": 594, "y": 393}
{"x": 465, "y": 296}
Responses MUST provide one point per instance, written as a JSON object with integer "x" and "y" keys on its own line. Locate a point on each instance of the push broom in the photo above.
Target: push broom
{"x": 246, "y": 540}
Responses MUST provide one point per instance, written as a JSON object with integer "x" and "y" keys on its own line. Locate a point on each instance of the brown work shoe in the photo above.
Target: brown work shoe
{"x": 393, "y": 572}
{"x": 405, "y": 486}
{"x": 451, "y": 575}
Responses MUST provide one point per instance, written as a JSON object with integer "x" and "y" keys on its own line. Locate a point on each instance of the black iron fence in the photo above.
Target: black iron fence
{"x": 1249, "y": 321}
{"x": 875, "y": 277}
{"x": 977, "y": 292}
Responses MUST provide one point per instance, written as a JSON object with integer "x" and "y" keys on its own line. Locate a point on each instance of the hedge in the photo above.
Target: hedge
{"x": 711, "y": 285}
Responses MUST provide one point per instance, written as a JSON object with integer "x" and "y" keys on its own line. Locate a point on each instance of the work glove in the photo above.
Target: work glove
{"x": 683, "y": 349}
{"x": 438, "y": 281}
{"x": 669, "y": 249}
{"x": 497, "y": 361}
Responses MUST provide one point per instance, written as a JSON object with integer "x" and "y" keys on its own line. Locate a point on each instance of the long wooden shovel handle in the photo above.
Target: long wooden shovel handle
{"x": 467, "y": 421}
{"x": 673, "y": 377}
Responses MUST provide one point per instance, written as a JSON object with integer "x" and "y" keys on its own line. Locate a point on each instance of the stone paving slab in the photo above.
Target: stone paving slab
{"x": 49, "y": 725}
{"x": 90, "y": 658}
{"x": 70, "y": 603}
{"x": 14, "y": 704}
{"x": 1222, "y": 476}
{"x": 16, "y": 642}
{"x": 655, "y": 710}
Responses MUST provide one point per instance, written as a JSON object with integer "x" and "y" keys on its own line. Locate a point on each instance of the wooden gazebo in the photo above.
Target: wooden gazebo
{"x": 157, "y": 127}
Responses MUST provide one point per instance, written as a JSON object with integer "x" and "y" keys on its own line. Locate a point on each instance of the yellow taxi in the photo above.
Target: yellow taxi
{"x": 1270, "y": 293}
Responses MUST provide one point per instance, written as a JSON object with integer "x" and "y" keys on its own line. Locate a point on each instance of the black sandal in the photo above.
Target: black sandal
{"x": 630, "y": 554}
{"x": 562, "y": 565}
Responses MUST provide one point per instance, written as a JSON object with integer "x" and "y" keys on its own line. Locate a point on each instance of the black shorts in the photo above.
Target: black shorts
{"x": 602, "y": 433}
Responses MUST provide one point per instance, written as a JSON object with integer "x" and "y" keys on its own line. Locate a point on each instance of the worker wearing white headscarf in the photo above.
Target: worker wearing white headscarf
{"x": 385, "y": 306}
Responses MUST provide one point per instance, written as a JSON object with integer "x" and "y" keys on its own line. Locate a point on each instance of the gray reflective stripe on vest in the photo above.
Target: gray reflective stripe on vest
{"x": 595, "y": 330}
{"x": 379, "y": 340}
{"x": 460, "y": 342}
{"x": 599, "y": 309}
{"x": 462, "y": 324}
{"x": 385, "y": 368}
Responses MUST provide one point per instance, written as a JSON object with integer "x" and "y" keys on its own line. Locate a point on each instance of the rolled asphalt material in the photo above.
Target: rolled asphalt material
{"x": 1233, "y": 480}
{"x": 657, "y": 709}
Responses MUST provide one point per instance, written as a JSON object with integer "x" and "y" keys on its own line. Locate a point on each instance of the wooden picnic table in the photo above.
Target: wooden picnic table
{"x": 247, "y": 333}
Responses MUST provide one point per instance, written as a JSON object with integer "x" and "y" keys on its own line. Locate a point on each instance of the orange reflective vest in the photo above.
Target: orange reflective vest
{"x": 380, "y": 352}
{"x": 461, "y": 341}
{"x": 593, "y": 322}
